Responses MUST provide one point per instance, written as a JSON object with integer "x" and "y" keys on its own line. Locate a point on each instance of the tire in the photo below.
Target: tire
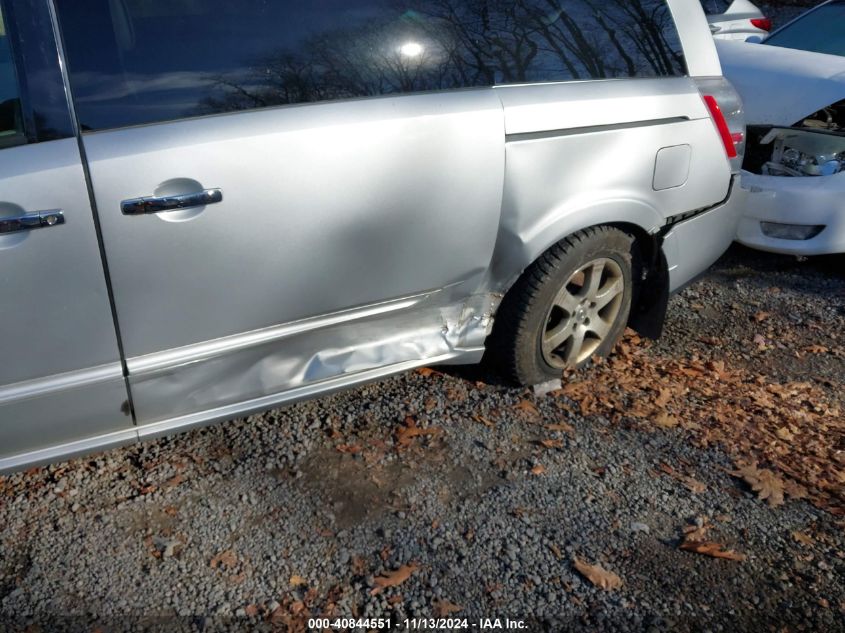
{"x": 570, "y": 305}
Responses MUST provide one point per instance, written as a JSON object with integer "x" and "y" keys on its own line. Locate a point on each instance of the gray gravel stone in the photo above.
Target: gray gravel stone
{"x": 270, "y": 518}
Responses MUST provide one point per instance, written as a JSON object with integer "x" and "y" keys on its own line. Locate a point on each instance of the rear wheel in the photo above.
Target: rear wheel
{"x": 570, "y": 305}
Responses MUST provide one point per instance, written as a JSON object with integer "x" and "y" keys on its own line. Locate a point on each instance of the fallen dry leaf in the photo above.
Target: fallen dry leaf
{"x": 764, "y": 482}
{"x": 527, "y": 407}
{"x": 597, "y": 575}
{"x": 349, "y": 449}
{"x": 664, "y": 397}
{"x": 762, "y": 316}
{"x": 666, "y": 421}
{"x": 551, "y": 443}
{"x": 794, "y": 489}
{"x": 173, "y": 481}
{"x": 735, "y": 406}
{"x": 444, "y": 608}
{"x": 539, "y": 469}
{"x": 297, "y": 581}
{"x": 818, "y": 349}
{"x": 481, "y": 419}
{"x": 393, "y": 578}
{"x": 225, "y": 558}
{"x": 425, "y": 372}
{"x": 562, "y": 427}
{"x": 785, "y": 434}
{"x": 696, "y": 533}
{"x": 714, "y": 550}
{"x": 406, "y": 434}
{"x": 693, "y": 485}
{"x": 802, "y": 538}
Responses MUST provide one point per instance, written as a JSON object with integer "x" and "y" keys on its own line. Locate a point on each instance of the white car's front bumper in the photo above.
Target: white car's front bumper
{"x": 798, "y": 201}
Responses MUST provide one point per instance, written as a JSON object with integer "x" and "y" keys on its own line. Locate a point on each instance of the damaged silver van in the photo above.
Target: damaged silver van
{"x": 212, "y": 208}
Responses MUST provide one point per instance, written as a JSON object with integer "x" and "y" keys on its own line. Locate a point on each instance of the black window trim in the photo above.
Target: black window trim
{"x": 45, "y": 108}
{"x": 678, "y": 58}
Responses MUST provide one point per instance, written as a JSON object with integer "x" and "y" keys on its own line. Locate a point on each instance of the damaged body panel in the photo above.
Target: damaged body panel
{"x": 796, "y": 182}
{"x": 794, "y": 164}
{"x": 360, "y": 199}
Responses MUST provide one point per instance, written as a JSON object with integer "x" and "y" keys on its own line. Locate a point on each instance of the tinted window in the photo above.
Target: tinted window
{"x": 715, "y": 7}
{"x": 819, "y": 31}
{"x": 141, "y": 61}
{"x": 11, "y": 121}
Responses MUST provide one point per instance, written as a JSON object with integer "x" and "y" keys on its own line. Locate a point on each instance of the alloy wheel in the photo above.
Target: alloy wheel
{"x": 583, "y": 313}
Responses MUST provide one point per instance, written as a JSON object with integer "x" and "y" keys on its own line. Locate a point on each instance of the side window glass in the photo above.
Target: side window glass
{"x": 11, "y": 120}
{"x": 133, "y": 62}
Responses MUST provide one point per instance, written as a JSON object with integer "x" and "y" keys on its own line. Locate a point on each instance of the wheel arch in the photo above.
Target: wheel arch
{"x": 516, "y": 250}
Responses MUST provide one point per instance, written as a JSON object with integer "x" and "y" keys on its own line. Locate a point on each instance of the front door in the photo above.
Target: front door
{"x": 61, "y": 380}
{"x": 222, "y": 215}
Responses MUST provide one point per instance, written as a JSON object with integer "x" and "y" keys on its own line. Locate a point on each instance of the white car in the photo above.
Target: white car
{"x": 793, "y": 87}
{"x": 735, "y": 19}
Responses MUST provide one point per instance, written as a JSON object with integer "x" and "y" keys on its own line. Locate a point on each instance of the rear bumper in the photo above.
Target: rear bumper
{"x": 694, "y": 245}
{"x": 810, "y": 201}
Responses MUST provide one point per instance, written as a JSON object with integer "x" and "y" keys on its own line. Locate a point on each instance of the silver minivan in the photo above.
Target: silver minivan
{"x": 210, "y": 208}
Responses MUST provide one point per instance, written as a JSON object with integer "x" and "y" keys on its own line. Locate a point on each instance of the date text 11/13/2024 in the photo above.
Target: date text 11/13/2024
{"x": 416, "y": 624}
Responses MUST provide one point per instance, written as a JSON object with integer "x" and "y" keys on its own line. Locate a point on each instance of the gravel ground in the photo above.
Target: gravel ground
{"x": 260, "y": 523}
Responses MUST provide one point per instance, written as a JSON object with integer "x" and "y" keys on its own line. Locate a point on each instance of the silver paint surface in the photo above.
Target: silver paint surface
{"x": 60, "y": 373}
{"x": 354, "y": 240}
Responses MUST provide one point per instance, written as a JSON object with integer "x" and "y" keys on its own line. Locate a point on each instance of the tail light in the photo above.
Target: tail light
{"x": 721, "y": 125}
{"x": 764, "y": 24}
{"x": 725, "y": 108}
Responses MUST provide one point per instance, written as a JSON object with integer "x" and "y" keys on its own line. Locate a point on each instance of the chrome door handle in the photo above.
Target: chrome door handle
{"x": 40, "y": 220}
{"x": 715, "y": 28}
{"x": 144, "y": 206}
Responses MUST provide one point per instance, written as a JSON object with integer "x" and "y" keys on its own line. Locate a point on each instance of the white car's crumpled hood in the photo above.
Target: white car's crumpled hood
{"x": 782, "y": 86}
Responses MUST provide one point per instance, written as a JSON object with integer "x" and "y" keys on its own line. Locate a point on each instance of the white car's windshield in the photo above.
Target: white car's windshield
{"x": 819, "y": 31}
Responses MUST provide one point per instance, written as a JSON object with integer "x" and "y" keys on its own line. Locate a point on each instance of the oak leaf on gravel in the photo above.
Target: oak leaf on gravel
{"x": 551, "y": 443}
{"x": 666, "y": 420}
{"x": 225, "y": 558}
{"x": 539, "y": 469}
{"x": 714, "y": 550}
{"x": 696, "y": 533}
{"x": 406, "y": 434}
{"x": 785, "y": 434}
{"x": 597, "y": 575}
{"x": 393, "y": 578}
{"x": 795, "y": 490}
{"x": 818, "y": 349}
{"x": 482, "y": 420}
{"x": 767, "y": 485}
{"x": 445, "y": 608}
{"x": 693, "y": 485}
{"x": 527, "y": 407}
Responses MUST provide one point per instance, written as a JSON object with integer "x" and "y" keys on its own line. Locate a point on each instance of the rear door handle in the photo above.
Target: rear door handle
{"x": 145, "y": 206}
{"x": 40, "y": 220}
